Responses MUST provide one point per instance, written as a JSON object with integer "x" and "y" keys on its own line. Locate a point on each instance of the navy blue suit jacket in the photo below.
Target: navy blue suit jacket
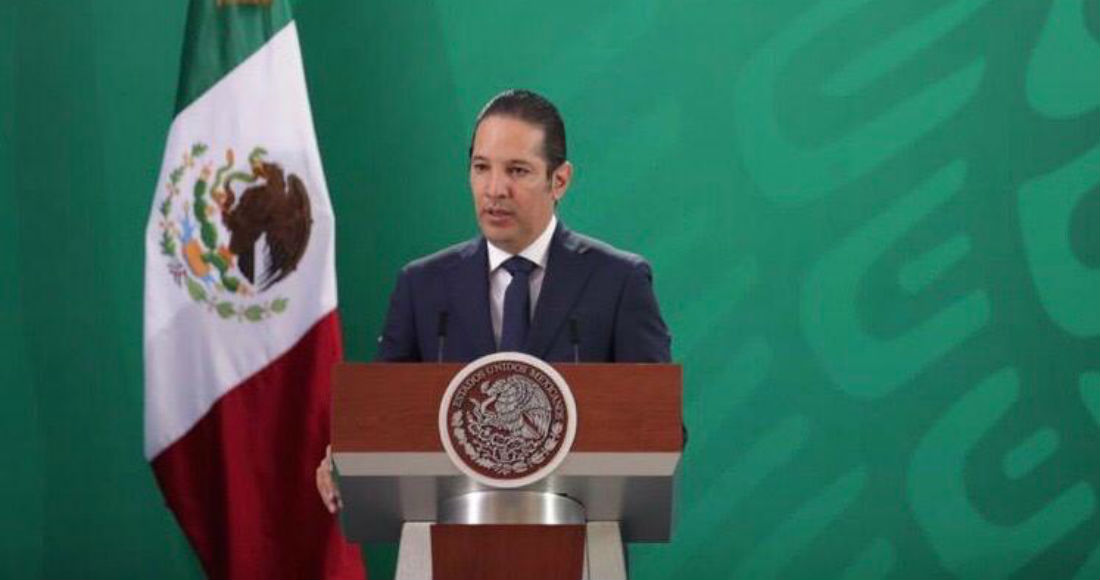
{"x": 608, "y": 292}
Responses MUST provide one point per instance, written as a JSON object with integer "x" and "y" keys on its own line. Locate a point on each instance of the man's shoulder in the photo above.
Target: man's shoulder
{"x": 601, "y": 250}
{"x": 445, "y": 258}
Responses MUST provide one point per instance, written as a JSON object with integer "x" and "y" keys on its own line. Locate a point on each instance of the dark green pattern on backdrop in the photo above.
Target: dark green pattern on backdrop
{"x": 875, "y": 228}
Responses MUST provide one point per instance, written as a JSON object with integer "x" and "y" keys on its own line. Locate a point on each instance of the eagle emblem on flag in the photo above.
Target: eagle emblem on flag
{"x": 231, "y": 233}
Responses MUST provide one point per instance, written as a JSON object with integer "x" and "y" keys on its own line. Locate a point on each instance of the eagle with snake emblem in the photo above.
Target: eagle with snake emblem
{"x": 278, "y": 210}
{"x": 516, "y": 406}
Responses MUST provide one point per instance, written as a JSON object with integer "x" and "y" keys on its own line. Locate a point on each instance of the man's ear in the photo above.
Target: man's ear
{"x": 560, "y": 180}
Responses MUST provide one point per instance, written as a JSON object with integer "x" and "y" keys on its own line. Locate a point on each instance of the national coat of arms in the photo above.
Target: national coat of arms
{"x": 507, "y": 419}
{"x": 228, "y": 248}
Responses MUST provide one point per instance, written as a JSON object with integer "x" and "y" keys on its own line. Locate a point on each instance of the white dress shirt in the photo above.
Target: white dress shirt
{"x": 499, "y": 278}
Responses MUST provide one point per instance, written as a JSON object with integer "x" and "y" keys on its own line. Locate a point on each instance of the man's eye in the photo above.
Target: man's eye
{"x": 518, "y": 171}
{"x": 479, "y": 167}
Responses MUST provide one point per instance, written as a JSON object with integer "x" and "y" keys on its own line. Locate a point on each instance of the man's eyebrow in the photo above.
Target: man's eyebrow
{"x": 513, "y": 161}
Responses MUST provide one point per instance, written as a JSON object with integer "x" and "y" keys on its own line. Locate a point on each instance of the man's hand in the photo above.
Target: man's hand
{"x": 326, "y": 486}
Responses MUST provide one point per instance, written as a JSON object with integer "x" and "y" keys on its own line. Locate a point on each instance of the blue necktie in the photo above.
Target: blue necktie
{"x": 517, "y": 304}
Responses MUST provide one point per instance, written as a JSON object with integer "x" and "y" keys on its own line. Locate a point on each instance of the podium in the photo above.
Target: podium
{"x": 616, "y": 484}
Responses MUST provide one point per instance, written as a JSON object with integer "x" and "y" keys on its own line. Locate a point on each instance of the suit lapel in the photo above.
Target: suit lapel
{"x": 468, "y": 296}
{"x": 567, "y": 272}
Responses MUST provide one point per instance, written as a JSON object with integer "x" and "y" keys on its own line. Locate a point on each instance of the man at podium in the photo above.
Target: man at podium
{"x": 527, "y": 283}
{"x": 584, "y": 299}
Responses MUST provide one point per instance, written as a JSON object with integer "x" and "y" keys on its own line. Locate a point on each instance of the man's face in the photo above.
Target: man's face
{"x": 513, "y": 196}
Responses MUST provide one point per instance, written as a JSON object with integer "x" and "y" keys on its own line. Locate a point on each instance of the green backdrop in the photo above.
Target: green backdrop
{"x": 875, "y": 228}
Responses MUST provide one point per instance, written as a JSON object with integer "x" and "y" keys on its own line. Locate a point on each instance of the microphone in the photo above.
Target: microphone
{"x": 441, "y": 327}
{"x": 575, "y": 338}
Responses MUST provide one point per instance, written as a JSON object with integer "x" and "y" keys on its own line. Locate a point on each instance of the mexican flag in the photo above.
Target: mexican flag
{"x": 241, "y": 327}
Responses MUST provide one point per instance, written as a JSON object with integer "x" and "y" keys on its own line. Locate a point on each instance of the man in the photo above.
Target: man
{"x": 527, "y": 283}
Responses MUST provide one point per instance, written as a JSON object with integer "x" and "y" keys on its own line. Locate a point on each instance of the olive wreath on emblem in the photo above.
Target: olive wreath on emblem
{"x": 222, "y": 275}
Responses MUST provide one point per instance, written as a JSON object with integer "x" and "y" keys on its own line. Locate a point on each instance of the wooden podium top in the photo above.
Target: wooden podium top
{"x": 394, "y": 407}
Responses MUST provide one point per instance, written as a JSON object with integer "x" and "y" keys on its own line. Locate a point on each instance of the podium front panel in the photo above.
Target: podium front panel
{"x": 391, "y": 467}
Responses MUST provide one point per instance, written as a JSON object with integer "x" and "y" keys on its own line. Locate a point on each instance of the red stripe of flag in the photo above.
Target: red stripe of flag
{"x": 241, "y": 481}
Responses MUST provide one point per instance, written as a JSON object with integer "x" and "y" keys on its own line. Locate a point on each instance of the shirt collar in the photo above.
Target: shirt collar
{"x": 537, "y": 252}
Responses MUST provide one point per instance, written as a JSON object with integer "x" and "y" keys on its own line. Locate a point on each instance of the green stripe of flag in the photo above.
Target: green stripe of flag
{"x": 219, "y": 36}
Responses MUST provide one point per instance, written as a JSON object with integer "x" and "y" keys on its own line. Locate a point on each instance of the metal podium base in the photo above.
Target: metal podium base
{"x": 511, "y": 507}
{"x": 604, "y": 557}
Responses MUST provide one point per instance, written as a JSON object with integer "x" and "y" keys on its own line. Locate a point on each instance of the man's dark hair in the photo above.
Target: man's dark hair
{"x": 532, "y": 108}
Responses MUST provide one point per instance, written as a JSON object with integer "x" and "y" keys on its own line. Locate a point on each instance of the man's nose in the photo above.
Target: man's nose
{"x": 497, "y": 187}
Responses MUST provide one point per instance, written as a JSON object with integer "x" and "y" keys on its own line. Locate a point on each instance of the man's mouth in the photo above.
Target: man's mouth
{"x": 497, "y": 212}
